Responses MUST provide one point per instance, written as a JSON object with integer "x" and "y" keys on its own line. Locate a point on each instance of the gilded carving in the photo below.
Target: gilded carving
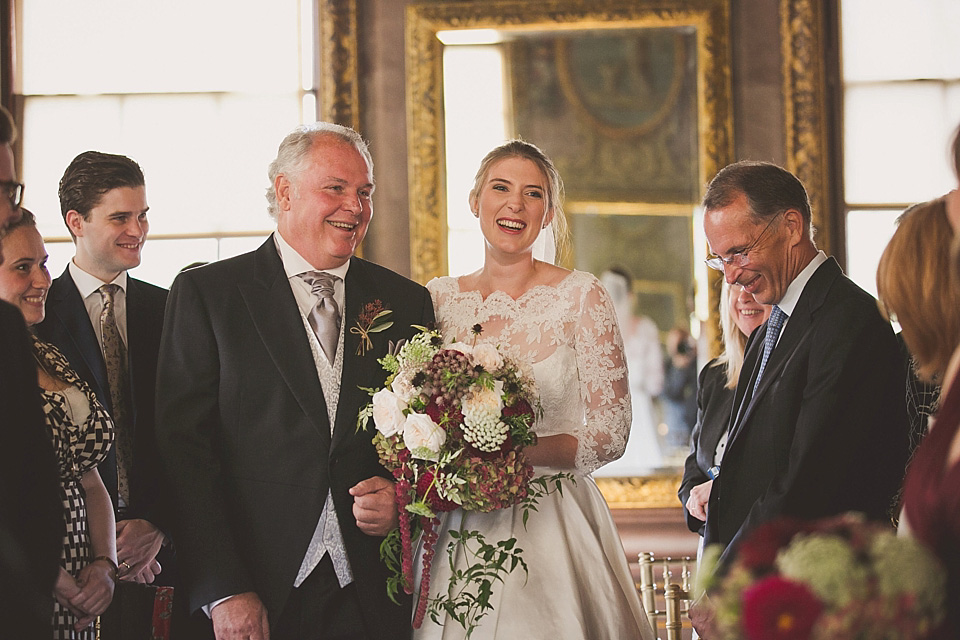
{"x": 641, "y": 492}
{"x": 339, "y": 78}
{"x": 805, "y": 111}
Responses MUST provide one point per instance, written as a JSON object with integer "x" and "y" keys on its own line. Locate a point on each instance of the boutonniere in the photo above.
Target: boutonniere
{"x": 374, "y": 318}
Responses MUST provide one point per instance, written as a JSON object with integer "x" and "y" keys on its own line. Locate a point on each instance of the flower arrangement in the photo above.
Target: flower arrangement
{"x": 451, "y": 423}
{"x": 838, "y": 578}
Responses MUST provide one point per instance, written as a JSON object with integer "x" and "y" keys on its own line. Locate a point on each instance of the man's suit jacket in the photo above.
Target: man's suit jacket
{"x": 826, "y": 430}
{"x": 245, "y": 437}
{"x": 31, "y": 510}
{"x": 714, "y": 403}
{"x": 67, "y": 326}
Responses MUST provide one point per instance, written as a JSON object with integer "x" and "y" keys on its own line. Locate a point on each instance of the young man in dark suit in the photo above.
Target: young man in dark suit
{"x": 31, "y": 511}
{"x": 819, "y": 422}
{"x": 104, "y": 206}
{"x": 281, "y": 502}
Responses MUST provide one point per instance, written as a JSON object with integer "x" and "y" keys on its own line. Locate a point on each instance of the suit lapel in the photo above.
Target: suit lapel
{"x": 69, "y": 311}
{"x": 275, "y": 314}
{"x": 796, "y": 331}
{"x": 358, "y": 370}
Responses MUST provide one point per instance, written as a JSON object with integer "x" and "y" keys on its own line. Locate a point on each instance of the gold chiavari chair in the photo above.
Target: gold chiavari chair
{"x": 674, "y": 596}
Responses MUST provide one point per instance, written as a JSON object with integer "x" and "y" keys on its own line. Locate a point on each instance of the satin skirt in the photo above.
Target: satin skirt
{"x": 578, "y": 586}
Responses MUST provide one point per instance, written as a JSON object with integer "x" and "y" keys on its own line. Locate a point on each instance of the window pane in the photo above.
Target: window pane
{"x": 129, "y": 46}
{"x": 894, "y": 138}
{"x": 868, "y": 233}
{"x": 163, "y": 259}
{"x": 897, "y": 40}
{"x": 204, "y": 156}
{"x": 475, "y": 123}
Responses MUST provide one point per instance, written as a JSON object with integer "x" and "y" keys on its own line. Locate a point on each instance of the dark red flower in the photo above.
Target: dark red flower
{"x": 779, "y": 609}
{"x": 759, "y": 550}
{"x": 438, "y": 504}
{"x": 518, "y": 408}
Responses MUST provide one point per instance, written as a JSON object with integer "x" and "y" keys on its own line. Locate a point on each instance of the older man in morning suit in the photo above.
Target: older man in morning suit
{"x": 281, "y": 502}
{"x": 819, "y": 422}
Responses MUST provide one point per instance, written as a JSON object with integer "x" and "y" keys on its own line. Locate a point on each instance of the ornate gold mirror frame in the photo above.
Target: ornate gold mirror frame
{"x": 425, "y": 123}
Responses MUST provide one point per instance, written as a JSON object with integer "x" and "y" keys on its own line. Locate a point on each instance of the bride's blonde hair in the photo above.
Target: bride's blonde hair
{"x": 521, "y": 149}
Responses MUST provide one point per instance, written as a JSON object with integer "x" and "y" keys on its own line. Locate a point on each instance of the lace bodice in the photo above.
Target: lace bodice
{"x": 569, "y": 334}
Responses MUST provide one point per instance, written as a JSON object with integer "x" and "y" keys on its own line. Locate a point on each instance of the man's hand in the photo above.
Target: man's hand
{"x": 374, "y": 506}
{"x": 698, "y": 500}
{"x": 148, "y": 575}
{"x": 138, "y": 543}
{"x": 242, "y": 617}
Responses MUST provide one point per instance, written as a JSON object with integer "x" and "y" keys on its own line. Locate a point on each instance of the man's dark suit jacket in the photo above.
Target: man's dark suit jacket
{"x": 67, "y": 326}
{"x": 826, "y": 431}
{"x": 31, "y": 509}
{"x": 714, "y": 403}
{"x": 245, "y": 437}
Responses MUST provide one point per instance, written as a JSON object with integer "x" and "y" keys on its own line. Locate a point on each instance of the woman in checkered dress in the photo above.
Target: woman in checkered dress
{"x": 81, "y": 432}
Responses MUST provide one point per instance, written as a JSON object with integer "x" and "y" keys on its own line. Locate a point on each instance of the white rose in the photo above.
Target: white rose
{"x": 487, "y": 402}
{"x": 403, "y": 388}
{"x": 488, "y": 357}
{"x": 423, "y": 437}
{"x": 388, "y": 412}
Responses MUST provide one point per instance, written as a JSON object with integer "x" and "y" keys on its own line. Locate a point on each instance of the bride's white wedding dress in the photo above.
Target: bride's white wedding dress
{"x": 579, "y": 586}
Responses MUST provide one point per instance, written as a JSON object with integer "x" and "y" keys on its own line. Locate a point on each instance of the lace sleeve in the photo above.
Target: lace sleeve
{"x": 604, "y": 385}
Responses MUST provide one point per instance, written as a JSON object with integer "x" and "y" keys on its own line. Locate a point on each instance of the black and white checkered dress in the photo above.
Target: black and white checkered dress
{"x": 81, "y": 436}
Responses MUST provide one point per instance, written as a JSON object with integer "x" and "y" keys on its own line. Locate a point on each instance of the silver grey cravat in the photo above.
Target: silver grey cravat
{"x": 325, "y": 316}
{"x": 115, "y": 359}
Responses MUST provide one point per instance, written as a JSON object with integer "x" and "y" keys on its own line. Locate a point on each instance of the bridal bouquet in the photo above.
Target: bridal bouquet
{"x": 451, "y": 423}
{"x": 839, "y": 578}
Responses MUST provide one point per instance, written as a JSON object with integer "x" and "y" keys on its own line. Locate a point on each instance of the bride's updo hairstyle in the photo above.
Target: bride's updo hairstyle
{"x": 521, "y": 149}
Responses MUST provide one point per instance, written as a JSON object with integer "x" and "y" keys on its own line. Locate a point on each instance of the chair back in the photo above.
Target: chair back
{"x": 667, "y": 602}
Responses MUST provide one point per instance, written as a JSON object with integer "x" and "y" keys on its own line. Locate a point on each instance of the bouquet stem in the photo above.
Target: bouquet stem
{"x": 402, "y": 488}
{"x": 430, "y": 535}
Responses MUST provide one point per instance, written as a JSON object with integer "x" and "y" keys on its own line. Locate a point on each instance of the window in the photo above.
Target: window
{"x": 901, "y": 100}
{"x": 199, "y": 92}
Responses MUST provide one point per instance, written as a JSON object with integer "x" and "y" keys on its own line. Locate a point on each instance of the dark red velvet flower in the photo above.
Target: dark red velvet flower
{"x": 438, "y": 504}
{"x": 779, "y": 609}
{"x": 519, "y": 408}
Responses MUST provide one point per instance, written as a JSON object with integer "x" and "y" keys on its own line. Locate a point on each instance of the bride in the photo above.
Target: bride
{"x": 564, "y": 324}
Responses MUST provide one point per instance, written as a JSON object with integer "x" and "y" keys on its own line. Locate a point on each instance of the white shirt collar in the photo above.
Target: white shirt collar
{"x": 88, "y": 284}
{"x": 789, "y": 300}
{"x": 294, "y": 264}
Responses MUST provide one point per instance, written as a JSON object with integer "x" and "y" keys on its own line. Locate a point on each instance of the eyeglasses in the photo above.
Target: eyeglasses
{"x": 13, "y": 191}
{"x": 740, "y": 258}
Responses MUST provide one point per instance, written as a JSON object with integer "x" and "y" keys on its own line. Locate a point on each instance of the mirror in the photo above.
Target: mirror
{"x": 632, "y": 101}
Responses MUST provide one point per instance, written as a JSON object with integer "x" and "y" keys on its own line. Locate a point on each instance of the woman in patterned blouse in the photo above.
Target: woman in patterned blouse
{"x": 81, "y": 432}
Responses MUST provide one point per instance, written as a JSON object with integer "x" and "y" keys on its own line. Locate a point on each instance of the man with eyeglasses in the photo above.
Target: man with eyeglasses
{"x": 31, "y": 514}
{"x": 819, "y": 424}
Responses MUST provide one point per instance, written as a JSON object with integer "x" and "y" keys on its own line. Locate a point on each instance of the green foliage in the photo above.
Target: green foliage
{"x": 468, "y": 594}
{"x": 541, "y": 486}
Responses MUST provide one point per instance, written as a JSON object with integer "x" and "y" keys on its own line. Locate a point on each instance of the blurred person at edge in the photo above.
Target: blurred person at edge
{"x": 31, "y": 514}
{"x": 918, "y": 281}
